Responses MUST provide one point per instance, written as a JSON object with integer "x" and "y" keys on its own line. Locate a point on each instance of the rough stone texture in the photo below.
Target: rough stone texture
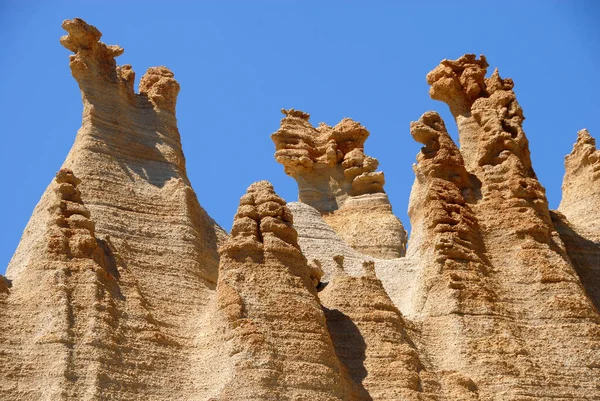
{"x": 81, "y": 329}
{"x": 537, "y": 287}
{"x": 281, "y": 348}
{"x": 124, "y": 288}
{"x": 336, "y": 177}
{"x": 578, "y": 216}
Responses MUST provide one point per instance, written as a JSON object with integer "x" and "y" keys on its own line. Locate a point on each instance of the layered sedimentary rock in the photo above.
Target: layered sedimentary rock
{"x": 160, "y": 248}
{"x": 281, "y": 348}
{"x": 372, "y": 339}
{"x": 537, "y": 286}
{"x": 456, "y": 301}
{"x": 336, "y": 177}
{"x": 578, "y": 216}
{"x": 124, "y": 288}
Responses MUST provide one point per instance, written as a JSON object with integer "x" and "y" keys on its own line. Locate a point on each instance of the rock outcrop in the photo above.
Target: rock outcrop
{"x": 581, "y": 193}
{"x": 537, "y": 286}
{"x": 336, "y": 177}
{"x": 446, "y": 232}
{"x": 146, "y": 220}
{"x": 281, "y": 348}
{"x": 123, "y": 287}
{"x": 578, "y": 216}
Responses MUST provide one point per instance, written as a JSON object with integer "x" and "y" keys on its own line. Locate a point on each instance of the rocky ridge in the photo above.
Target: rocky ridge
{"x": 123, "y": 287}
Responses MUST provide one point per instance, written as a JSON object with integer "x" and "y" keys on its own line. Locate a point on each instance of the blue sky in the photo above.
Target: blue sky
{"x": 239, "y": 63}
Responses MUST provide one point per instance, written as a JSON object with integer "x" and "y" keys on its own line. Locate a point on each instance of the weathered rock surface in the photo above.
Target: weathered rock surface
{"x": 579, "y": 224}
{"x": 141, "y": 312}
{"x": 122, "y": 287}
{"x": 281, "y": 348}
{"x": 336, "y": 177}
{"x": 537, "y": 287}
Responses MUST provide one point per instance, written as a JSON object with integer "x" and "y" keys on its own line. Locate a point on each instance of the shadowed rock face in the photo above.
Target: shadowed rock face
{"x": 578, "y": 216}
{"x": 123, "y": 288}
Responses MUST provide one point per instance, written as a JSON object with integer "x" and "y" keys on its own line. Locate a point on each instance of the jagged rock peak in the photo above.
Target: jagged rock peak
{"x": 585, "y": 147}
{"x": 84, "y": 37}
{"x": 458, "y": 82}
{"x": 488, "y": 115}
{"x": 440, "y": 156}
{"x": 445, "y": 227}
{"x": 267, "y": 293}
{"x": 295, "y": 113}
{"x": 96, "y": 60}
{"x": 337, "y": 178}
{"x": 583, "y": 136}
{"x": 262, "y": 218}
{"x": 302, "y": 149}
{"x": 159, "y": 84}
{"x": 581, "y": 196}
{"x": 91, "y": 55}
{"x": 584, "y": 154}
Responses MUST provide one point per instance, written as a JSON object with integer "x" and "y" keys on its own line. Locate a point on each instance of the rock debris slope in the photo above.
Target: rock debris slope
{"x": 122, "y": 286}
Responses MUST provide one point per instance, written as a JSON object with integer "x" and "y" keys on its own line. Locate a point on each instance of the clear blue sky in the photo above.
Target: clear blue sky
{"x": 239, "y": 63}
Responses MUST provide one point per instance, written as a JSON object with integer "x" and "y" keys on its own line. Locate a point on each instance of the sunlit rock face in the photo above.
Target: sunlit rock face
{"x": 337, "y": 178}
{"x": 123, "y": 287}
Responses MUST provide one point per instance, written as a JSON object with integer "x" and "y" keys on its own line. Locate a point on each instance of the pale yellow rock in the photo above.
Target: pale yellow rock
{"x": 536, "y": 283}
{"x": 123, "y": 288}
{"x": 336, "y": 177}
{"x": 280, "y": 345}
{"x": 111, "y": 277}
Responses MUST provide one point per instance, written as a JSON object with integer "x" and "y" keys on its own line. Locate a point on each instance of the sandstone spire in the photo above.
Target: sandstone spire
{"x": 581, "y": 194}
{"x": 456, "y": 289}
{"x": 128, "y": 158}
{"x": 64, "y": 344}
{"x": 281, "y": 347}
{"x": 536, "y": 282}
{"x": 336, "y": 177}
{"x": 446, "y": 231}
{"x": 578, "y": 215}
{"x": 122, "y": 287}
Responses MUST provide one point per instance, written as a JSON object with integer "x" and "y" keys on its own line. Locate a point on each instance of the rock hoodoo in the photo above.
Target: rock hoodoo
{"x": 336, "y": 177}
{"x": 123, "y": 287}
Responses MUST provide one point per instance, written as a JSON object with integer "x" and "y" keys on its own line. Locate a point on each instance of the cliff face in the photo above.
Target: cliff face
{"x": 122, "y": 286}
{"x": 159, "y": 246}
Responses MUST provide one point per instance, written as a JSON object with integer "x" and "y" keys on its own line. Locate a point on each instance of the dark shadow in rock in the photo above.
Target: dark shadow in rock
{"x": 349, "y": 347}
{"x": 584, "y": 254}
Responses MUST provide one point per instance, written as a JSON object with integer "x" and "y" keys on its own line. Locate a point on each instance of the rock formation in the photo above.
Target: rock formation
{"x": 281, "y": 347}
{"x": 577, "y": 219}
{"x": 336, "y": 177}
{"x": 537, "y": 287}
{"x": 123, "y": 287}
{"x": 160, "y": 248}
